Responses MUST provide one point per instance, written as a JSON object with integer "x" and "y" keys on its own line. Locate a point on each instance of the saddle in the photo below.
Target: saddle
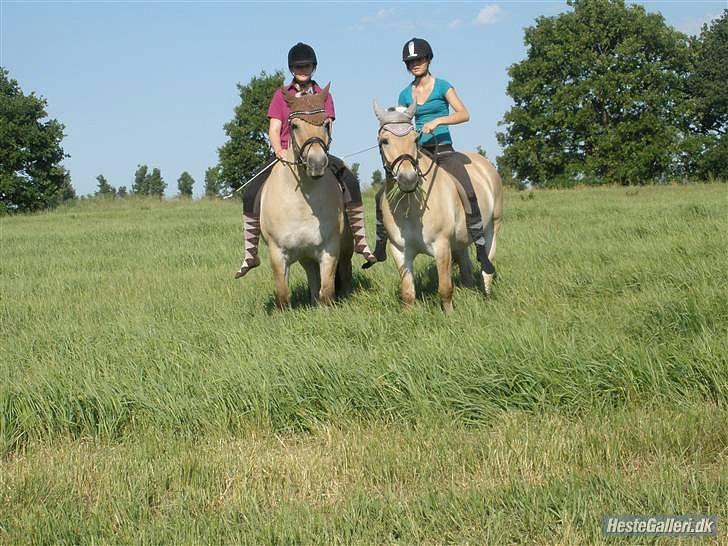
{"x": 453, "y": 163}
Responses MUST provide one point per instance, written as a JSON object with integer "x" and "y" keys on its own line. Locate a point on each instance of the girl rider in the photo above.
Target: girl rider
{"x": 435, "y": 97}
{"x": 302, "y": 64}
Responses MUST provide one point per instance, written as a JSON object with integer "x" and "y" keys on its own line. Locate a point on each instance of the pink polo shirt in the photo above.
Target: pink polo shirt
{"x": 278, "y": 109}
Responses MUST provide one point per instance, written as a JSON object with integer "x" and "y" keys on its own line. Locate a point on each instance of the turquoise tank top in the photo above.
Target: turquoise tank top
{"x": 435, "y": 106}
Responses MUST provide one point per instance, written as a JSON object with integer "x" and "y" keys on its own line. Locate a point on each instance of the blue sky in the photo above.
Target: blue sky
{"x": 154, "y": 82}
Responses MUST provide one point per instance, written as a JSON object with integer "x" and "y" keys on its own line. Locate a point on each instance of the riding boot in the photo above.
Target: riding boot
{"x": 474, "y": 222}
{"x": 380, "y": 248}
{"x": 251, "y": 234}
{"x": 355, "y": 215}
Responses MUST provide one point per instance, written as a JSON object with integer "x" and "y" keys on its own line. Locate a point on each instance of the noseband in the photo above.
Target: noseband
{"x": 299, "y": 151}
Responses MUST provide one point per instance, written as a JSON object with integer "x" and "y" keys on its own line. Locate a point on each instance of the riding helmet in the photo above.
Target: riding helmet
{"x": 416, "y": 48}
{"x": 301, "y": 53}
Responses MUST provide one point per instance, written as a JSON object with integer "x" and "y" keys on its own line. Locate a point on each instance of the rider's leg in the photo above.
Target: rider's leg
{"x": 453, "y": 164}
{"x": 251, "y": 223}
{"x": 380, "y": 248}
{"x": 353, "y": 206}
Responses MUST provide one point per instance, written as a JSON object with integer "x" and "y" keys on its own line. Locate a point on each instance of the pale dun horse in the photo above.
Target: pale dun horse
{"x": 422, "y": 209}
{"x": 302, "y": 208}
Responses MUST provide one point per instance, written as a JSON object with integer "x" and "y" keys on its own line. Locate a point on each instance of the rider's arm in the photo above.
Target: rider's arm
{"x": 459, "y": 115}
{"x": 274, "y": 135}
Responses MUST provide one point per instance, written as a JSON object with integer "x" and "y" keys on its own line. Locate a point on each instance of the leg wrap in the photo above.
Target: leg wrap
{"x": 355, "y": 215}
{"x": 251, "y": 235}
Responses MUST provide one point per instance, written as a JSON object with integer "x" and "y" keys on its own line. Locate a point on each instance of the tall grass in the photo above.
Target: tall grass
{"x": 122, "y": 325}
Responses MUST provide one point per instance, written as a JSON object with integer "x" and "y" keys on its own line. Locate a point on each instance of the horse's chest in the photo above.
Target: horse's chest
{"x": 301, "y": 223}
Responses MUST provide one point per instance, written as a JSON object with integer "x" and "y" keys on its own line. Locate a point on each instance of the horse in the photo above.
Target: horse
{"x": 302, "y": 208}
{"x": 423, "y": 211}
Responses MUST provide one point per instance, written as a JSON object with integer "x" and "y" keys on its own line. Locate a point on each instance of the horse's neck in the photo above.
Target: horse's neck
{"x": 432, "y": 171}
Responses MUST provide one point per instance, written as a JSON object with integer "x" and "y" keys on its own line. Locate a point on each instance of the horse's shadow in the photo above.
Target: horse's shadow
{"x": 426, "y": 280}
{"x": 300, "y": 295}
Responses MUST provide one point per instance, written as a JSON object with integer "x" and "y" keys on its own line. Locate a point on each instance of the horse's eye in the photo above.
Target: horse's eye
{"x": 294, "y": 126}
{"x": 384, "y": 141}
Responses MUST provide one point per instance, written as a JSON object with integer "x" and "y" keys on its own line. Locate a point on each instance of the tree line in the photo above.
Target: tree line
{"x": 145, "y": 183}
{"x": 607, "y": 94}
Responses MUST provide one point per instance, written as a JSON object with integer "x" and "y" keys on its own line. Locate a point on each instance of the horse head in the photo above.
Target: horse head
{"x": 398, "y": 145}
{"x": 310, "y": 130}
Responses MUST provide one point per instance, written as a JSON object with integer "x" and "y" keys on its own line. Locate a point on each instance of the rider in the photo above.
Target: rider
{"x": 434, "y": 98}
{"x": 302, "y": 64}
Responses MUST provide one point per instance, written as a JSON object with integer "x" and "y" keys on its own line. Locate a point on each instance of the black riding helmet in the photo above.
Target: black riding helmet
{"x": 301, "y": 53}
{"x": 416, "y": 48}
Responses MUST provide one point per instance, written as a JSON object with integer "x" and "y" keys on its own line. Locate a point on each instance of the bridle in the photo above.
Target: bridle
{"x": 299, "y": 151}
{"x": 392, "y": 168}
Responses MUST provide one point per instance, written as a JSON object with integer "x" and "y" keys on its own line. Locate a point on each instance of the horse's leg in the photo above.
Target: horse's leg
{"x": 344, "y": 276}
{"x": 443, "y": 259}
{"x": 405, "y": 266}
{"x": 280, "y": 275}
{"x": 314, "y": 282}
{"x": 327, "y": 268}
{"x": 466, "y": 267}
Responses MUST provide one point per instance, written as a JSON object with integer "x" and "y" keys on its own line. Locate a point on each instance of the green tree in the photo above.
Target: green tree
{"x": 140, "y": 186}
{"x": 105, "y": 189}
{"x": 709, "y": 88}
{"x": 146, "y": 183}
{"x": 247, "y": 146}
{"x": 156, "y": 183}
{"x": 121, "y": 192}
{"x": 184, "y": 184}
{"x": 596, "y": 97}
{"x": 212, "y": 182}
{"x": 31, "y": 174}
{"x": 481, "y": 151}
{"x": 377, "y": 179}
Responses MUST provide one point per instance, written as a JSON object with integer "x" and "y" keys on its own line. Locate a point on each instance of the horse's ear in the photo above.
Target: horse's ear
{"x": 325, "y": 90}
{"x": 378, "y": 110}
{"x": 288, "y": 97}
{"x": 411, "y": 110}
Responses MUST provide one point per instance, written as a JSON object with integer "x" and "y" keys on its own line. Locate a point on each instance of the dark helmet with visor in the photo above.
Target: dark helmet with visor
{"x": 301, "y": 53}
{"x": 416, "y": 48}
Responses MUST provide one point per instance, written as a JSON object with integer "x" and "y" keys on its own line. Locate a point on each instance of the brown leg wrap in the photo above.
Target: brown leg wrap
{"x": 355, "y": 214}
{"x": 251, "y": 234}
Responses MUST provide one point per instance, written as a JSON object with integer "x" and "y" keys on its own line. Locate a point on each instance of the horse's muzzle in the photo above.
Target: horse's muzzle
{"x": 407, "y": 180}
{"x": 316, "y": 164}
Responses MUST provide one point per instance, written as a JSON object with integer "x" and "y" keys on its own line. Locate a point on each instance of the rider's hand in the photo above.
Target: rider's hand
{"x": 280, "y": 152}
{"x": 430, "y": 126}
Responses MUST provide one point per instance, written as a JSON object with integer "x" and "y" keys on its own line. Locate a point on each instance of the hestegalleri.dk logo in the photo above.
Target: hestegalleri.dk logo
{"x": 696, "y": 525}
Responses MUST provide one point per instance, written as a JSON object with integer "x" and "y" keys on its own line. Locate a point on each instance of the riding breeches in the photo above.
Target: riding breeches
{"x": 453, "y": 163}
{"x": 349, "y": 182}
{"x": 251, "y": 192}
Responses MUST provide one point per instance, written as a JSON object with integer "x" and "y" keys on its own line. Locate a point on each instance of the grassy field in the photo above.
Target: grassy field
{"x": 147, "y": 397}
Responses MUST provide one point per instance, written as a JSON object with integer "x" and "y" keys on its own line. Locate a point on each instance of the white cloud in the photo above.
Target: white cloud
{"x": 454, "y": 24}
{"x": 694, "y": 26}
{"x": 487, "y": 15}
{"x": 382, "y": 15}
